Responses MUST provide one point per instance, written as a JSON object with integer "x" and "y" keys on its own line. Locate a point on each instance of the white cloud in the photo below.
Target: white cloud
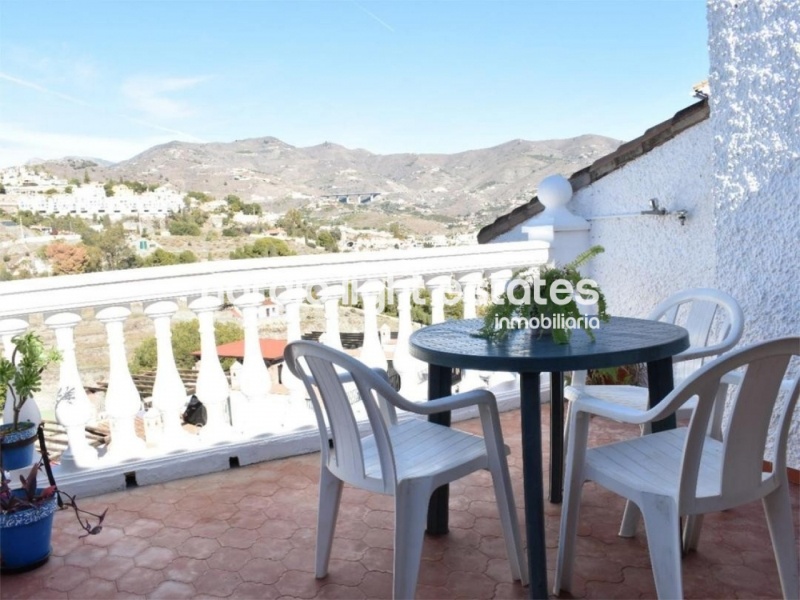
{"x": 19, "y": 145}
{"x": 150, "y": 95}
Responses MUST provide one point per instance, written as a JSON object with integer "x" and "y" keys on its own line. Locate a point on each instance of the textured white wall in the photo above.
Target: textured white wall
{"x": 650, "y": 257}
{"x": 754, "y": 50}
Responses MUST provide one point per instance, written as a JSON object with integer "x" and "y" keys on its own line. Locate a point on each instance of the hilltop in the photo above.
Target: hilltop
{"x": 475, "y": 185}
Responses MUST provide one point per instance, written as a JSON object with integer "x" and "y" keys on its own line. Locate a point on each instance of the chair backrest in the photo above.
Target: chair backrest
{"x": 714, "y": 320}
{"x": 332, "y": 379}
{"x": 743, "y": 450}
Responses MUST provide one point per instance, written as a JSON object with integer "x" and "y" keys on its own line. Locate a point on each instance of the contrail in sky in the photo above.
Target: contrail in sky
{"x": 384, "y": 23}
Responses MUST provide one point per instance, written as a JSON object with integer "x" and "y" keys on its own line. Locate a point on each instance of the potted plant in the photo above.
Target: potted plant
{"x": 547, "y": 301}
{"x": 26, "y": 518}
{"x": 20, "y": 377}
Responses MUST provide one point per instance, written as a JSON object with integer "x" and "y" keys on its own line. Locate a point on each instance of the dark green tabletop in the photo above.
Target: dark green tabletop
{"x": 620, "y": 341}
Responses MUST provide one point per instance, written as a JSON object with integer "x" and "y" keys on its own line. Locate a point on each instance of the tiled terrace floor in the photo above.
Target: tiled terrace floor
{"x": 249, "y": 533}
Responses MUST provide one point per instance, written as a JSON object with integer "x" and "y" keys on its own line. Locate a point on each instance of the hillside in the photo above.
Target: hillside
{"x": 476, "y": 184}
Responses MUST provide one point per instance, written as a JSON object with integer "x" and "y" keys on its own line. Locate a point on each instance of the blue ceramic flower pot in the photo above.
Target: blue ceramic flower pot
{"x": 17, "y": 446}
{"x": 25, "y": 536}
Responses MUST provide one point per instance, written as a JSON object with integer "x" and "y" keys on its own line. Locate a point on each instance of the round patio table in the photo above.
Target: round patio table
{"x": 622, "y": 341}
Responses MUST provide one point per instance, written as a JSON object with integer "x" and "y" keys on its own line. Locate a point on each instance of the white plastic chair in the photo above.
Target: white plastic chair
{"x": 685, "y": 471}
{"x": 407, "y": 459}
{"x": 715, "y": 323}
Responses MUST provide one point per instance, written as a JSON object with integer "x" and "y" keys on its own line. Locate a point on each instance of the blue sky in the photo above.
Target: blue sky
{"x": 111, "y": 78}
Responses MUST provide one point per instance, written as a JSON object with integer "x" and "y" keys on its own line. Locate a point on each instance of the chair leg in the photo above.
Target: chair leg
{"x": 630, "y": 519}
{"x": 411, "y": 509}
{"x": 778, "y": 508}
{"x": 512, "y": 532}
{"x": 691, "y": 532}
{"x": 661, "y": 521}
{"x": 330, "y": 493}
{"x": 570, "y": 508}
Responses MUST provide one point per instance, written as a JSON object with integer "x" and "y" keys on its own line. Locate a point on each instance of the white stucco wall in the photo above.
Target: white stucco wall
{"x": 649, "y": 257}
{"x": 754, "y": 50}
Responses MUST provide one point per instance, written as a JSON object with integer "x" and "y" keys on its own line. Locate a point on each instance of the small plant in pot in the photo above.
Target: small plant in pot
{"x": 20, "y": 378}
{"x": 547, "y": 301}
{"x": 26, "y": 518}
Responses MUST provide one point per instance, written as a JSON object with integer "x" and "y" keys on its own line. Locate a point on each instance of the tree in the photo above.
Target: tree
{"x": 86, "y": 176}
{"x": 326, "y": 240}
{"x": 113, "y": 246}
{"x": 109, "y": 188}
{"x": 185, "y": 341}
{"x": 263, "y": 247}
{"x": 67, "y": 259}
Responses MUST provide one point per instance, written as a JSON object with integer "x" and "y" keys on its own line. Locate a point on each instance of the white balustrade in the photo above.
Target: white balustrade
{"x": 212, "y": 384}
{"x": 261, "y": 412}
{"x": 372, "y": 352}
{"x": 169, "y": 392}
{"x": 123, "y": 401}
{"x": 73, "y": 409}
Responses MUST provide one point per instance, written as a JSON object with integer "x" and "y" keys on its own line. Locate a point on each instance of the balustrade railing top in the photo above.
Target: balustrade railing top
{"x": 32, "y": 296}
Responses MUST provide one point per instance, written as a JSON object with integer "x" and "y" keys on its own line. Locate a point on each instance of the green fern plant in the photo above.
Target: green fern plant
{"x": 516, "y": 307}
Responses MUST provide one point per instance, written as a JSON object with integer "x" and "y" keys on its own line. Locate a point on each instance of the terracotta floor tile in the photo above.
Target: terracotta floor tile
{"x": 251, "y": 533}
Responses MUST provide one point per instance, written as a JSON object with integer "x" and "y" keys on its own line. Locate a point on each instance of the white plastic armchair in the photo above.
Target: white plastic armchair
{"x": 407, "y": 458}
{"x": 715, "y": 323}
{"x": 685, "y": 471}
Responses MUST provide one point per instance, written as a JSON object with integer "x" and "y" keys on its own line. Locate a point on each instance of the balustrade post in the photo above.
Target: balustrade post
{"x": 372, "y": 352}
{"x": 498, "y": 281}
{"x": 10, "y": 328}
{"x": 438, "y": 286}
{"x": 470, "y": 379}
{"x": 212, "y": 384}
{"x": 73, "y": 409}
{"x": 291, "y": 300}
{"x": 123, "y": 401}
{"x": 254, "y": 378}
{"x": 331, "y": 296}
{"x": 169, "y": 393}
{"x": 411, "y": 370}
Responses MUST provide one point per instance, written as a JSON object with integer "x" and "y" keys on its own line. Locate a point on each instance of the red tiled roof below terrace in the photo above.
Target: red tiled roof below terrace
{"x": 271, "y": 349}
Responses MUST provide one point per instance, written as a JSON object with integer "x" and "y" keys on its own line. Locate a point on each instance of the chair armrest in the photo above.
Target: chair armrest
{"x": 595, "y": 406}
{"x": 470, "y": 398}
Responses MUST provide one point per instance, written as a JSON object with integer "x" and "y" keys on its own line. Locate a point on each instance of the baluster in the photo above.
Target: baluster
{"x": 9, "y": 328}
{"x": 291, "y": 300}
{"x": 254, "y": 378}
{"x": 73, "y": 409}
{"x": 438, "y": 286}
{"x": 169, "y": 393}
{"x": 411, "y": 370}
{"x": 331, "y": 296}
{"x": 123, "y": 401}
{"x": 372, "y": 352}
{"x": 212, "y": 385}
{"x": 470, "y": 379}
{"x": 498, "y": 280}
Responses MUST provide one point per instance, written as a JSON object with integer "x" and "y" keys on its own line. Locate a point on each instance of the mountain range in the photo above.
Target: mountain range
{"x": 482, "y": 183}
